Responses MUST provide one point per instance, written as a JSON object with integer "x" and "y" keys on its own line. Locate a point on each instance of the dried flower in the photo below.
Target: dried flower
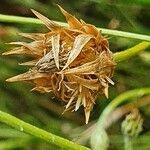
{"x": 73, "y": 62}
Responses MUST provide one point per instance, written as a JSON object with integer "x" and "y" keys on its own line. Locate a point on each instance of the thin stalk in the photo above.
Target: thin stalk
{"x": 126, "y": 54}
{"x": 24, "y": 20}
{"x": 28, "y": 20}
{"x": 122, "y": 110}
{"x": 128, "y": 143}
{"x": 120, "y": 99}
{"x": 39, "y": 133}
{"x": 98, "y": 137}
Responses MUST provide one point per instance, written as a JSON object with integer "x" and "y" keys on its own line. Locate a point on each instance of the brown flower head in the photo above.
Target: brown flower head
{"x": 73, "y": 62}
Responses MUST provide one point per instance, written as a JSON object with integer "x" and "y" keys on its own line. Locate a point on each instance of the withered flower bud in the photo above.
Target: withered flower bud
{"x": 132, "y": 124}
{"x": 73, "y": 62}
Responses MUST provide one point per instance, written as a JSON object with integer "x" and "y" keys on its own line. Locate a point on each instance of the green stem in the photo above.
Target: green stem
{"x": 120, "y": 99}
{"x": 128, "y": 143}
{"x": 24, "y": 20}
{"x": 27, "y": 20}
{"x": 100, "y": 126}
{"x": 126, "y": 54}
{"x": 39, "y": 133}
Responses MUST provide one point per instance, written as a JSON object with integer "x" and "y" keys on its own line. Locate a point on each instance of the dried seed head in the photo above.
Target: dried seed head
{"x": 74, "y": 63}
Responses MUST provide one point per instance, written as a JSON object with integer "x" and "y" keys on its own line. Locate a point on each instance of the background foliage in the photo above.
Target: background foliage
{"x": 43, "y": 110}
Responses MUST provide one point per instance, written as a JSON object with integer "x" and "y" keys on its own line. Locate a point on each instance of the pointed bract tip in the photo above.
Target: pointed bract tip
{"x": 11, "y": 52}
{"x": 106, "y": 92}
{"x": 50, "y": 24}
{"x": 10, "y": 80}
{"x": 62, "y": 10}
{"x": 33, "y": 89}
{"x": 34, "y": 11}
{"x": 5, "y": 53}
{"x": 87, "y": 116}
{"x": 21, "y": 77}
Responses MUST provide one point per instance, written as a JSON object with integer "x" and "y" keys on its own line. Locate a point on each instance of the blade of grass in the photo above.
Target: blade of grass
{"x": 28, "y": 20}
{"x": 39, "y": 133}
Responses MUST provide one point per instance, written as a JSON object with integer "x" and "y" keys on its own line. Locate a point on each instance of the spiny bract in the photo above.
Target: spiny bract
{"x": 73, "y": 62}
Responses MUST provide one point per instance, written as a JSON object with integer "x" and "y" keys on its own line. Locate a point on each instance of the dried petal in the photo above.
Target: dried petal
{"x": 72, "y": 21}
{"x": 33, "y": 36}
{"x": 17, "y": 50}
{"x": 106, "y": 91}
{"x": 79, "y": 100}
{"x": 91, "y": 84}
{"x": 45, "y": 59}
{"x": 87, "y": 115}
{"x": 29, "y": 63}
{"x": 30, "y": 75}
{"x": 80, "y": 41}
{"x": 50, "y": 24}
{"x": 90, "y": 29}
{"x": 35, "y": 48}
{"x": 42, "y": 89}
{"x": 88, "y": 68}
{"x": 109, "y": 80}
{"x": 71, "y": 99}
{"x": 55, "y": 48}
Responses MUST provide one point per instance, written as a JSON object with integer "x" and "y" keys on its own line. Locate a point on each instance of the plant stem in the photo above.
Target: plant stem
{"x": 39, "y": 133}
{"x": 28, "y": 20}
{"x": 122, "y": 110}
{"x": 24, "y": 20}
{"x": 128, "y": 143}
{"x": 120, "y": 99}
{"x": 126, "y": 54}
{"x": 125, "y": 34}
{"x": 101, "y": 124}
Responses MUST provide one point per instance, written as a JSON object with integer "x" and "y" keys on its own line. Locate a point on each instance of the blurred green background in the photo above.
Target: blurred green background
{"x": 44, "y": 110}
